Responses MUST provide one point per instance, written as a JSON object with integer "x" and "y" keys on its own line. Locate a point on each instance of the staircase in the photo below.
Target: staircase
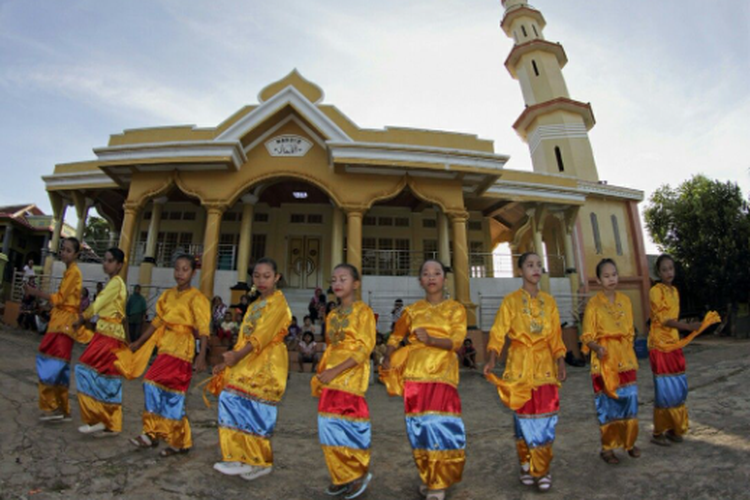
{"x": 298, "y": 300}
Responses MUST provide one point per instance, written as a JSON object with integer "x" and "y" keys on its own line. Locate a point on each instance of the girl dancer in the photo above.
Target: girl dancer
{"x": 53, "y": 360}
{"x": 534, "y": 369}
{"x": 179, "y": 312}
{"x": 341, "y": 383}
{"x": 97, "y": 380}
{"x": 608, "y": 334}
{"x": 665, "y": 354}
{"x": 252, "y": 380}
{"x": 425, "y": 373}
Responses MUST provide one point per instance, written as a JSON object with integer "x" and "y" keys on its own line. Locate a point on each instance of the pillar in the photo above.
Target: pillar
{"x": 461, "y": 265}
{"x": 444, "y": 248}
{"x": 127, "y": 234}
{"x": 83, "y": 205}
{"x": 211, "y": 247}
{"x": 354, "y": 237}
{"x": 337, "y": 238}
{"x": 7, "y": 240}
{"x": 149, "y": 254}
{"x": 246, "y": 234}
{"x": 59, "y": 207}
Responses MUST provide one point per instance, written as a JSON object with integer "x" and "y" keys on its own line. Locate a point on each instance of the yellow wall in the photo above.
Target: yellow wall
{"x": 604, "y": 210}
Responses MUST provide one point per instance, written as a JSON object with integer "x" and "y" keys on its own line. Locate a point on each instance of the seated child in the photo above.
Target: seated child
{"x": 228, "y": 328}
{"x": 468, "y": 355}
{"x": 307, "y": 353}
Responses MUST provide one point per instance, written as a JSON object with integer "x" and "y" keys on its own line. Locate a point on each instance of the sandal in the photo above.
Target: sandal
{"x": 436, "y": 495}
{"x": 169, "y": 451}
{"x": 660, "y": 440}
{"x": 634, "y": 452}
{"x": 675, "y": 438}
{"x": 143, "y": 441}
{"x": 544, "y": 483}
{"x": 423, "y": 490}
{"x": 526, "y": 478}
{"x": 609, "y": 457}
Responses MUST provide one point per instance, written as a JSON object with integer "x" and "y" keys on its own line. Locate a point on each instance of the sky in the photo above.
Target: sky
{"x": 668, "y": 80}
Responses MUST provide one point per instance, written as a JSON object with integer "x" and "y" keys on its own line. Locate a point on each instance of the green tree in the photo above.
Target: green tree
{"x": 705, "y": 225}
{"x": 97, "y": 230}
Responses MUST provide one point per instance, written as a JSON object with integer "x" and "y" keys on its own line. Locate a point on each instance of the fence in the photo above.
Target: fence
{"x": 489, "y": 265}
{"x": 570, "y": 306}
{"x": 382, "y": 305}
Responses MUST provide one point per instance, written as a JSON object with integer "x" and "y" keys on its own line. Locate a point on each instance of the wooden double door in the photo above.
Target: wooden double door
{"x": 303, "y": 268}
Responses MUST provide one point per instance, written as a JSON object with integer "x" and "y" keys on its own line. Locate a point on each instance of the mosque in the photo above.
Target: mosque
{"x": 294, "y": 178}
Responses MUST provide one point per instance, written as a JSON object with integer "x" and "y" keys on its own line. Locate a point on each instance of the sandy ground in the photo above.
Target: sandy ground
{"x": 41, "y": 461}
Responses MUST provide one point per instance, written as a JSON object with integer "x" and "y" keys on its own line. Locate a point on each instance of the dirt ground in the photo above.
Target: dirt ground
{"x": 39, "y": 461}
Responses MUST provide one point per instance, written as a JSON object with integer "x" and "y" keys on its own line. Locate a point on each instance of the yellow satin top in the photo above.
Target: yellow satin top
{"x": 611, "y": 326}
{"x": 446, "y": 320}
{"x": 181, "y": 313}
{"x": 66, "y": 302}
{"x": 110, "y": 307}
{"x": 533, "y": 326}
{"x": 665, "y": 305}
{"x": 351, "y": 334}
{"x": 263, "y": 372}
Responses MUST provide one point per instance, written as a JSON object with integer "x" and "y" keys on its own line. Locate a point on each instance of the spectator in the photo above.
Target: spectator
{"x": 27, "y": 314}
{"x": 218, "y": 311}
{"x": 28, "y": 271}
{"x": 468, "y": 355}
{"x": 241, "y": 308}
{"x": 307, "y": 326}
{"x": 99, "y": 288}
{"x": 136, "y": 311}
{"x": 398, "y": 308}
{"x": 85, "y": 300}
{"x": 380, "y": 349}
{"x": 228, "y": 328}
{"x": 293, "y": 334}
{"x": 313, "y": 308}
{"x": 307, "y": 352}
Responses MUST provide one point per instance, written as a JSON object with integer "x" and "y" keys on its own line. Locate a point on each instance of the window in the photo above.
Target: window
{"x": 533, "y": 26}
{"x": 176, "y": 216}
{"x": 369, "y": 220}
{"x": 385, "y": 221}
{"x": 147, "y": 216}
{"x": 258, "y": 247}
{"x": 430, "y": 249}
{"x": 314, "y": 219}
{"x": 401, "y": 222}
{"x": 429, "y": 223}
{"x": 260, "y": 217}
{"x": 188, "y": 215}
{"x": 386, "y": 256}
{"x": 475, "y": 225}
{"x": 616, "y": 229}
{"x": 523, "y": 30}
{"x": 597, "y": 236}
{"x": 477, "y": 266}
{"x": 558, "y": 157}
{"x": 297, "y": 219}
{"x": 536, "y": 70}
{"x": 231, "y": 216}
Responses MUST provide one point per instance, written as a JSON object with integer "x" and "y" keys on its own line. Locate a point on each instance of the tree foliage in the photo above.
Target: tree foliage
{"x": 97, "y": 230}
{"x": 705, "y": 225}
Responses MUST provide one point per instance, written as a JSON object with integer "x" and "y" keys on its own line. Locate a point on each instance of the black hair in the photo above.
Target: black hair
{"x": 307, "y": 316}
{"x": 601, "y": 265}
{"x": 84, "y": 289}
{"x": 117, "y": 254}
{"x": 445, "y": 269}
{"x": 187, "y": 257}
{"x": 73, "y": 241}
{"x": 352, "y": 270}
{"x": 304, "y": 335}
{"x": 661, "y": 258}
{"x": 268, "y": 261}
{"x": 136, "y": 287}
{"x": 524, "y": 256}
{"x": 294, "y": 319}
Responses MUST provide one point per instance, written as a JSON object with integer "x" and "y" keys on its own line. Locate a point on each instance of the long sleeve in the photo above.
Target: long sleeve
{"x": 161, "y": 310}
{"x": 202, "y": 315}
{"x": 630, "y": 335}
{"x": 400, "y": 330}
{"x": 659, "y": 306}
{"x": 270, "y": 321}
{"x": 110, "y": 293}
{"x": 555, "y": 341}
{"x": 500, "y": 327}
{"x": 589, "y": 326}
{"x": 458, "y": 326}
{"x": 366, "y": 333}
{"x": 70, "y": 285}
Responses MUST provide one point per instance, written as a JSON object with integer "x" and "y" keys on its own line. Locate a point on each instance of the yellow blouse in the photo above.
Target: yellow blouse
{"x": 611, "y": 326}
{"x": 351, "y": 334}
{"x": 263, "y": 372}
{"x": 178, "y": 315}
{"x": 418, "y": 362}
{"x": 66, "y": 302}
{"x": 533, "y": 326}
{"x": 665, "y": 305}
{"x": 110, "y": 307}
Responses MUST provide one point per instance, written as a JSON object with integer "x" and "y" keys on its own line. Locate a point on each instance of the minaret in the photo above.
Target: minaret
{"x": 553, "y": 125}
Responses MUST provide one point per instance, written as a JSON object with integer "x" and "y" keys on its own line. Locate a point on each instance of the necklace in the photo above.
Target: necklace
{"x": 339, "y": 322}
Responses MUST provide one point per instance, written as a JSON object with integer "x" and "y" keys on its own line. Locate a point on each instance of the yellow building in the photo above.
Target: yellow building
{"x": 295, "y": 179}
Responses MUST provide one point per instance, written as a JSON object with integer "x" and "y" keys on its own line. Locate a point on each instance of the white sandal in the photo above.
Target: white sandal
{"x": 545, "y": 483}
{"x": 525, "y": 477}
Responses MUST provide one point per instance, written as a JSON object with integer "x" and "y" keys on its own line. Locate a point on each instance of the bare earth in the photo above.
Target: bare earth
{"x": 41, "y": 461}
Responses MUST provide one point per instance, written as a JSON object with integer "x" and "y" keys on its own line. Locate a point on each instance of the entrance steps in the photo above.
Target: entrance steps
{"x": 298, "y": 300}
